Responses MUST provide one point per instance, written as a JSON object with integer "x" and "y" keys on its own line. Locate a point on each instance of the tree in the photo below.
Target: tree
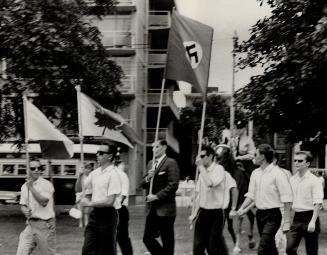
{"x": 49, "y": 48}
{"x": 291, "y": 45}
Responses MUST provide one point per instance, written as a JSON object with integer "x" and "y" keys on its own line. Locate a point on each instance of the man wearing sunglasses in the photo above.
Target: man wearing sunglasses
{"x": 38, "y": 207}
{"x": 101, "y": 231}
{"x": 209, "y": 224}
{"x": 308, "y": 197}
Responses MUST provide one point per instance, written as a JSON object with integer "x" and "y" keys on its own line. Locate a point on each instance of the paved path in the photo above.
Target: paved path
{"x": 70, "y": 237}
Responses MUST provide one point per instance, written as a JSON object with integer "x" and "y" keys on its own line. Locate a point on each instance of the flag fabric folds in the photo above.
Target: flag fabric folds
{"x": 53, "y": 143}
{"x": 189, "y": 52}
{"x": 103, "y": 124}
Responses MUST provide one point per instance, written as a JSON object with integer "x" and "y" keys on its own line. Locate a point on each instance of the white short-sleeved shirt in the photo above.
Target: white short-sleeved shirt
{"x": 124, "y": 185}
{"x": 104, "y": 183}
{"x": 229, "y": 184}
{"x": 269, "y": 188}
{"x": 307, "y": 191}
{"x": 212, "y": 197}
{"x": 46, "y": 189}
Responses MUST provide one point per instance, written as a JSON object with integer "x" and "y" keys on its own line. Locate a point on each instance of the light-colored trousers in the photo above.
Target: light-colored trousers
{"x": 38, "y": 234}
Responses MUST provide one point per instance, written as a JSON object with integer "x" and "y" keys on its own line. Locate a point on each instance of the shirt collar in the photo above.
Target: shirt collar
{"x": 211, "y": 167}
{"x": 306, "y": 175}
{"x": 268, "y": 168}
{"x": 160, "y": 159}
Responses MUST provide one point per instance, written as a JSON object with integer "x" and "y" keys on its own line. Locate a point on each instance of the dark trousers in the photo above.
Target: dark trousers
{"x": 100, "y": 233}
{"x": 123, "y": 239}
{"x": 268, "y": 222}
{"x": 162, "y": 226}
{"x": 299, "y": 230}
{"x": 208, "y": 233}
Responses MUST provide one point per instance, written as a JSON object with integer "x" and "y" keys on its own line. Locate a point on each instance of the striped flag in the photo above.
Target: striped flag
{"x": 53, "y": 143}
{"x": 189, "y": 52}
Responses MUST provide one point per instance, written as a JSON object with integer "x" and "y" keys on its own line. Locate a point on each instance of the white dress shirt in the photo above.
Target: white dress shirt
{"x": 307, "y": 191}
{"x": 46, "y": 189}
{"x": 269, "y": 188}
{"x": 104, "y": 183}
{"x": 212, "y": 197}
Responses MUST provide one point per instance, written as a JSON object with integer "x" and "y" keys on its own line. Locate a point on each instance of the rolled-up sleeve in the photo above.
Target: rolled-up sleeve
{"x": 251, "y": 189}
{"x": 317, "y": 192}
{"x": 284, "y": 187}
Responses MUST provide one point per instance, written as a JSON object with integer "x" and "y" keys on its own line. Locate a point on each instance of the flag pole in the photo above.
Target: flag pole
{"x": 158, "y": 125}
{"x": 80, "y": 130}
{"x": 232, "y": 100}
{"x": 27, "y": 156}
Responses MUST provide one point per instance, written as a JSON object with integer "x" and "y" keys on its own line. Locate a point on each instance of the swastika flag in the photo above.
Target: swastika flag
{"x": 189, "y": 52}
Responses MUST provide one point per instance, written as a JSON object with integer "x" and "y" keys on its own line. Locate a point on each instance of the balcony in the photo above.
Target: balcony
{"x": 122, "y": 6}
{"x": 159, "y": 19}
{"x": 128, "y": 85}
{"x": 118, "y": 43}
{"x": 157, "y": 58}
{"x": 153, "y": 97}
{"x": 163, "y": 134}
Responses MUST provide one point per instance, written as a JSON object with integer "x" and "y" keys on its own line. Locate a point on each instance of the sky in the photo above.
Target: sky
{"x": 226, "y": 17}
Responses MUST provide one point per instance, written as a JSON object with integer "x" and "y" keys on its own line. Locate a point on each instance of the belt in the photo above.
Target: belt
{"x": 38, "y": 219}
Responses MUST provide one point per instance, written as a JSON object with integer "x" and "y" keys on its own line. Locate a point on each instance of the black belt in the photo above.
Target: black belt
{"x": 38, "y": 219}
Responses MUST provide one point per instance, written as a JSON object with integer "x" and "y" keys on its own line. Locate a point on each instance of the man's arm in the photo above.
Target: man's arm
{"x": 108, "y": 202}
{"x": 287, "y": 217}
{"x": 234, "y": 202}
{"x": 41, "y": 198}
{"x": 312, "y": 223}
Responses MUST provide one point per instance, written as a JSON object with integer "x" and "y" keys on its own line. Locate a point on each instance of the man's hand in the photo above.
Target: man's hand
{"x": 199, "y": 161}
{"x": 232, "y": 213}
{"x": 29, "y": 183}
{"x": 85, "y": 202}
{"x": 150, "y": 198}
{"x": 286, "y": 227}
{"x": 311, "y": 227}
{"x": 241, "y": 212}
{"x": 26, "y": 211}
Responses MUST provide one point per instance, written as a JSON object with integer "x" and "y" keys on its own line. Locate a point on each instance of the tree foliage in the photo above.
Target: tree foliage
{"x": 291, "y": 45}
{"x": 49, "y": 48}
{"x": 217, "y": 117}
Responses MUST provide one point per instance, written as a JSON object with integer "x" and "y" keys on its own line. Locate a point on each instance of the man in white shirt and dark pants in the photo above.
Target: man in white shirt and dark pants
{"x": 308, "y": 197}
{"x": 209, "y": 224}
{"x": 269, "y": 188}
{"x": 101, "y": 231}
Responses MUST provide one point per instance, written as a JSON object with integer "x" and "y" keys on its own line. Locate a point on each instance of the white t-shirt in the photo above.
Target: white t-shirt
{"x": 46, "y": 189}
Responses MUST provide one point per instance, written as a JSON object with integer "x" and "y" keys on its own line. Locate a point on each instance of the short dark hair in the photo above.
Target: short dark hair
{"x": 34, "y": 158}
{"x": 307, "y": 154}
{"x": 267, "y": 151}
{"x": 163, "y": 142}
{"x": 209, "y": 150}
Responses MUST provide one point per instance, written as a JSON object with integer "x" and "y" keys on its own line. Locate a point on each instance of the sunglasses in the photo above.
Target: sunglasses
{"x": 35, "y": 168}
{"x": 203, "y": 156}
{"x": 299, "y": 160}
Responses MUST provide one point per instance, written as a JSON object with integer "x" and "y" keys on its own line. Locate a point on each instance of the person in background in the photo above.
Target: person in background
{"x": 38, "y": 207}
{"x": 160, "y": 201}
{"x": 101, "y": 231}
{"x": 280, "y": 237}
{"x": 270, "y": 190}
{"x": 123, "y": 238}
{"x": 308, "y": 196}
{"x": 79, "y": 185}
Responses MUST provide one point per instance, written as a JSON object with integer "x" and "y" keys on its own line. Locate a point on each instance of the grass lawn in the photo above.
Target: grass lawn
{"x": 70, "y": 236}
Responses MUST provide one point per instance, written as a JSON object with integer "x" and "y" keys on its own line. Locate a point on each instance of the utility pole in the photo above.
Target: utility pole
{"x": 232, "y": 99}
